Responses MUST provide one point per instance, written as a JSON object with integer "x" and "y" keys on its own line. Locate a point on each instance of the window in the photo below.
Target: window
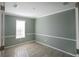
{"x": 20, "y": 29}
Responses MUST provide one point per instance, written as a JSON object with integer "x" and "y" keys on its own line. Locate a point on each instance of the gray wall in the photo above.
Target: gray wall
{"x": 60, "y": 25}
{"x": 10, "y": 30}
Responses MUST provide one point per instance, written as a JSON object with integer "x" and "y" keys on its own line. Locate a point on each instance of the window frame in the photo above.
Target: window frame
{"x": 18, "y": 36}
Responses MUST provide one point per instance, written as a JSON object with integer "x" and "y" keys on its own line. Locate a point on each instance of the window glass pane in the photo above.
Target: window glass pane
{"x": 20, "y": 29}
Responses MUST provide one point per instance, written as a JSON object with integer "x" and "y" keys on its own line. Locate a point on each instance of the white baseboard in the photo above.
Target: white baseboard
{"x": 20, "y": 44}
{"x": 55, "y": 48}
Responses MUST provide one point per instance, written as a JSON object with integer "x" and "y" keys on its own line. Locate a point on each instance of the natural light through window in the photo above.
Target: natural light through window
{"x": 20, "y": 29}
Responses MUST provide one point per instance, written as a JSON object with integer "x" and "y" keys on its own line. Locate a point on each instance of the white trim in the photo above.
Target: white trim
{"x": 3, "y": 29}
{"x": 15, "y": 35}
{"x": 0, "y": 28}
{"x": 43, "y": 35}
{"x": 55, "y": 48}
{"x": 30, "y": 33}
{"x": 77, "y": 38}
{"x": 12, "y": 14}
{"x": 57, "y": 12}
{"x": 56, "y": 37}
{"x": 10, "y": 36}
{"x": 19, "y": 44}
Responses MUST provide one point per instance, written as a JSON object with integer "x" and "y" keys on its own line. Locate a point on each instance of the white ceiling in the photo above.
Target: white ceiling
{"x": 36, "y": 9}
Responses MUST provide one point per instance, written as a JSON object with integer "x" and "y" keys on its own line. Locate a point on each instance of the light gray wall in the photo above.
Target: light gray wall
{"x": 10, "y": 30}
{"x": 60, "y": 25}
